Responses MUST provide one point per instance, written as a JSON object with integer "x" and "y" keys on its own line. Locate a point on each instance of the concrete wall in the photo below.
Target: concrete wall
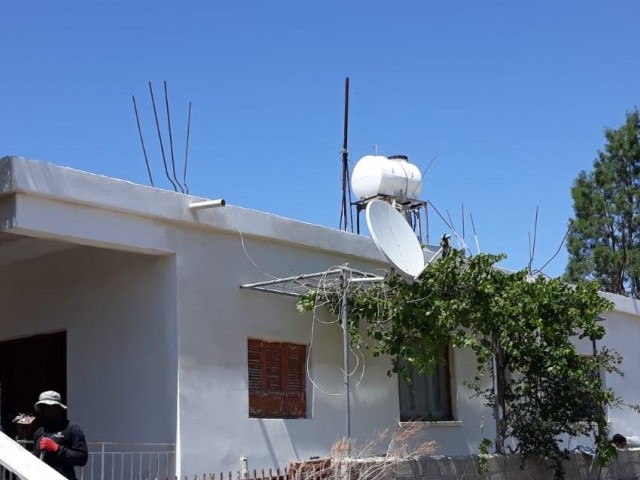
{"x": 623, "y": 334}
{"x": 216, "y": 318}
{"x": 577, "y": 467}
{"x": 118, "y": 310}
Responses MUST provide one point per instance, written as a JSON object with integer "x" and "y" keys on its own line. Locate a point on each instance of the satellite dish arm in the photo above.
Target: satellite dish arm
{"x": 438, "y": 254}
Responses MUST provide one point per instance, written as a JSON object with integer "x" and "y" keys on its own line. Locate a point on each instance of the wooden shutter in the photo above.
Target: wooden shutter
{"x": 272, "y": 379}
{"x": 277, "y": 386}
{"x": 295, "y": 394}
{"x": 255, "y": 378}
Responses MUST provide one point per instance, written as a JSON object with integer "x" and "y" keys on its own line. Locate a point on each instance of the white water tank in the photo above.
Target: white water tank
{"x": 393, "y": 176}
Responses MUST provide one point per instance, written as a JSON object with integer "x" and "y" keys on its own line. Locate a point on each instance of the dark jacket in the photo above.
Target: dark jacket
{"x": 73, "y": 450}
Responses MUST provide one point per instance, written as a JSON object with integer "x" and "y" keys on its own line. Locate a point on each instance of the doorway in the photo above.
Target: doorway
{"x": 29, "y": 366}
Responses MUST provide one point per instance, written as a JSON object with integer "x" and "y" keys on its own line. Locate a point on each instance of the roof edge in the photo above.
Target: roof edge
{"x": 623, "y": 304}
{"x": 41, "y": 179}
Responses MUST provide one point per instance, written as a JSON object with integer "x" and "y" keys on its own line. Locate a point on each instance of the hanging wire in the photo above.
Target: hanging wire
{"x": 320, "y": 289}
{"x": 244, "y": 249}
{"x": 323, "y": 291}
{"x": 566, "y": 234}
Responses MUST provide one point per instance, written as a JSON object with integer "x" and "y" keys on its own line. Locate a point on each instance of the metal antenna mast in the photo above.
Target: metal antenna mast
{"x": 346, "y": 218}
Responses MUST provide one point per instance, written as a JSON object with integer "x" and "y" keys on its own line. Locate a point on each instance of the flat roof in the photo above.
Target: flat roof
{"x": 40, "y": 179}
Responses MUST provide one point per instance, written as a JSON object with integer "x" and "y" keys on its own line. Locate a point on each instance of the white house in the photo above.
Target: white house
{"x": 129, "y": 302}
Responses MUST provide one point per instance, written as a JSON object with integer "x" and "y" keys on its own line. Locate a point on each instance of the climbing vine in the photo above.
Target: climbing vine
{"x": 522, "y": 331}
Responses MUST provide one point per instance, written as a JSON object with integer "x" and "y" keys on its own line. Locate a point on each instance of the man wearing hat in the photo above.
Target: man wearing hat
{"x": 58, "y": 442}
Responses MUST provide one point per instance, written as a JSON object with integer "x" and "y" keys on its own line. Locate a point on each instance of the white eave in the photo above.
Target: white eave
{"x": 623, "y": 304}
{"x": 34, "y": 192}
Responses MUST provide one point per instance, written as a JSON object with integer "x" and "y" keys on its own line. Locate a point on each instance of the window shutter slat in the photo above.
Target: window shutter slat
{"x": 273, "y": 367}
{"x": 274, "y": 405}
{"x": 255, "y": 366}
{"x": 296, "y": 407}
{"x": 254, "y": 348}
{"x": 273, "y": 399}
{"x": 295, "y": 357}
{"x": 296, "y": 404}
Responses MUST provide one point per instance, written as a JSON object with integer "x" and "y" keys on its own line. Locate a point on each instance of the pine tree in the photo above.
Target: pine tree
{"x": 604, "y": 235}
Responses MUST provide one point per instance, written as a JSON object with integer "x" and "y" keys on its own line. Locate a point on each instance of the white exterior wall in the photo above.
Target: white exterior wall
{"x": 217, "y": 318}
{"x": 118, "y": 311}
{"x": 157, "y": 346}
{"x": 192, "y": 321}
{"x": 623, "y": 335}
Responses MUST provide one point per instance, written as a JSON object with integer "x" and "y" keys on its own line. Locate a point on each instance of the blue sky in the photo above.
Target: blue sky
{"x": 511, "y": 97}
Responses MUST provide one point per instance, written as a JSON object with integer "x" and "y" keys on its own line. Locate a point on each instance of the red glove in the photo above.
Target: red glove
{"x": 48, "y": 445}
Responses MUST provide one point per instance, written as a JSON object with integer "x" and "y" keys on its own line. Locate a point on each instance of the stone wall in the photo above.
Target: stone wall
{"x": 578, "y": 467}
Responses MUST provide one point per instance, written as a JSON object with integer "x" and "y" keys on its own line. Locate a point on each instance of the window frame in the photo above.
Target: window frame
{"x": 446, "y": 384}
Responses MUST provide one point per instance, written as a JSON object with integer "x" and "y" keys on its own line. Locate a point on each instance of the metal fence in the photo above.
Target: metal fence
{"x": 128, "y": 461}
{"x": 6, "y": 474}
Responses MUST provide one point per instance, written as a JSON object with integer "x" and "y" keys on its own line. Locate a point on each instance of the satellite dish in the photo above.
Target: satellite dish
{"x": 395, "y": 239}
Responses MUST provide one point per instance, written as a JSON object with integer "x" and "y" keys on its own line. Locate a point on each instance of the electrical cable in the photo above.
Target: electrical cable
{"x": 322, "y": 291}
{"x": 244, "y": 249}
{"x": 540, "y": 270}
{"x": 313, "y": 321}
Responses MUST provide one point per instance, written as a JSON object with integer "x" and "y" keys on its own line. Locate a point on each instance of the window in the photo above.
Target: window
{"x": 426, "y": 397}
{"x": 276, "y": 380}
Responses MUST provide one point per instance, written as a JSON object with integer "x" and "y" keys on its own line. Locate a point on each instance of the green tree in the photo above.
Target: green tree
{"x": 522, "y": 331}
{"x": 604, "y": 235}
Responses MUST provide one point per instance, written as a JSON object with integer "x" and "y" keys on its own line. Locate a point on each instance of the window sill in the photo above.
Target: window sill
{"x": 437, "y": 424}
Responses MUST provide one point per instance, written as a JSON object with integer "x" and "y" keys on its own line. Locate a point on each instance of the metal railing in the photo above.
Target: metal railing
{"x": 7, "y": 474}
{"x": 128, "y": 461}
{"x": 121, "y": 461}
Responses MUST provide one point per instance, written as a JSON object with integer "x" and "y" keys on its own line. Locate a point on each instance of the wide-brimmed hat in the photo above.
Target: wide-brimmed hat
{"x": 49, "y": 398}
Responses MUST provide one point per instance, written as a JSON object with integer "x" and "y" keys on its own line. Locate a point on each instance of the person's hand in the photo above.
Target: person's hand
{"x": 48, "y": 445}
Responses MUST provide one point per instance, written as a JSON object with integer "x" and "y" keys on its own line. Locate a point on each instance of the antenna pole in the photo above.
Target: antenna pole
{"x": 464, "y": 238}
{"x": 164, "y": 158}
{"x": 475, "y": 235}
{"x": 186, "y": 151}
{"x": 144, "y": 150}
{"x": 346, "y": 206}
{"x": 173, "y": 159}
{"x": 344, "y": 283}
